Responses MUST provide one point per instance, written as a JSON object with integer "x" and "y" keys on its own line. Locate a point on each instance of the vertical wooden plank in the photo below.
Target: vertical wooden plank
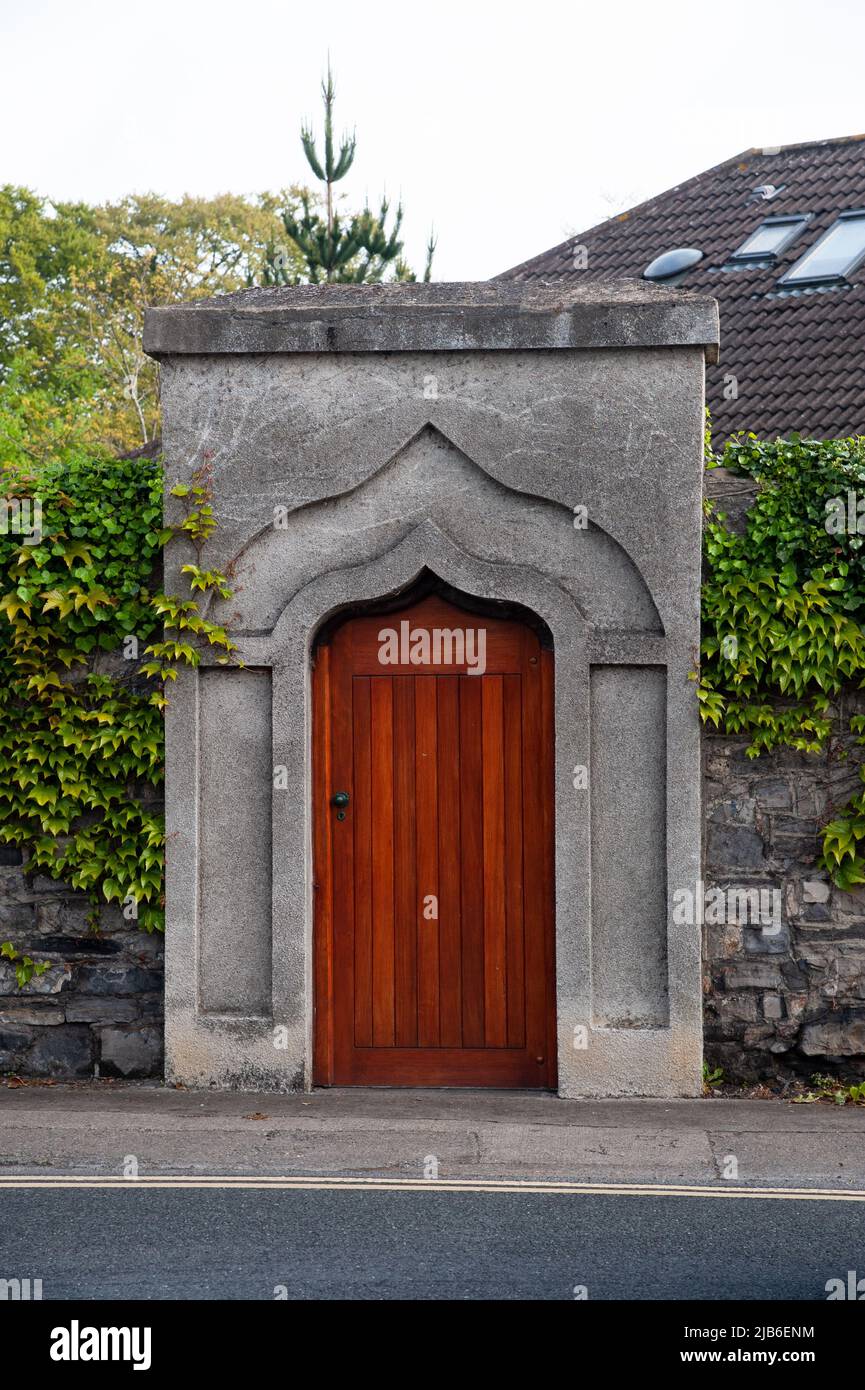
{"x": 362, "y": 819}
{"x": 536, "y": 884}
{"x": 405, "y": 863}
{"x": 515, "y": 948}
{"x": 450, "y": 868}
{"x": 495, "y": 961}
{"x": 322, "y": 1000}
{"x": 426, "y": 777}
{"x": 342, "y": 843}
{"x": 548, "y": 797}
{"x": 381, "y": 719}
{"x": 472, "y": 859}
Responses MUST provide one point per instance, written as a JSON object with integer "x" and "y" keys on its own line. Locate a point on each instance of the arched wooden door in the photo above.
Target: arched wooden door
{"x": 434, "y": 910}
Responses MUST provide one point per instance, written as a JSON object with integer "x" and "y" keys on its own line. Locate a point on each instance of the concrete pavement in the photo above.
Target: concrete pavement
{"x": 96, "y": 1128}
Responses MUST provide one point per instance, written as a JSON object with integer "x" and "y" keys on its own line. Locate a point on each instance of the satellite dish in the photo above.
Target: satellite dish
{"x": 672, "y": 263}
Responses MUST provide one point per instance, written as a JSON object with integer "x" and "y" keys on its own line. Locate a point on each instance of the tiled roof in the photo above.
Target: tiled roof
{"x": 798, "y": 358}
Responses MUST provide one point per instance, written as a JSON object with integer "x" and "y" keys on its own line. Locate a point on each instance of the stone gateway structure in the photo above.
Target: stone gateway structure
{"x": 430, "y": 831}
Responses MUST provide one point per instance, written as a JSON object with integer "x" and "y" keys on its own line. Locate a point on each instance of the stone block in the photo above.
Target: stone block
{"x": 796, "y": 1004}
{"x": 109, "y": 1009}
{"x": 736, "y": 810}
{"x": 835, "y": 1037}
{"x": 117, "y": 979}
{"x": 732, "y": 848}
{"x": 130, "y": 1052}
{"x": 23, "y": 1014}
{"x": 739, "y": 1007}
{"x": 761, "y": 942}
{"x": 752, "y": 975}
{"x": 62, "y": 1052}
{"x": 774, "y": 794}
{"x": 816, "y": 890}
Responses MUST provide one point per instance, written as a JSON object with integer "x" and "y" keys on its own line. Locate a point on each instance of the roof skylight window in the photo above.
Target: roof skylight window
{"x": 838, "y": 252}
{"x": 671, "y": 263}
{"x": 772, "y": 237}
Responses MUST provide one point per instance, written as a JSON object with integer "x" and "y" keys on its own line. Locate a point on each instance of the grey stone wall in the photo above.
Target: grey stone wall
{"x": 775, "y": 1006}
{"x": 98, "y": 1010}
{"x": 790, "y": 1002}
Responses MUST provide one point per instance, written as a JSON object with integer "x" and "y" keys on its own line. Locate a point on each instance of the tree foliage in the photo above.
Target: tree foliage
{"x": 353, "y": 248}
{"x": 75, "y": 282}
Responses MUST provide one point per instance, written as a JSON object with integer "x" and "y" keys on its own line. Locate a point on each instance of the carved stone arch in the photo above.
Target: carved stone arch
{"x": 426, "y": 547}
{"x": 431, "y": 482}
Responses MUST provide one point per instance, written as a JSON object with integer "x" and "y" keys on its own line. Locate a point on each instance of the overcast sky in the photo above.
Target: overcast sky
{"x": 508, "y": 126}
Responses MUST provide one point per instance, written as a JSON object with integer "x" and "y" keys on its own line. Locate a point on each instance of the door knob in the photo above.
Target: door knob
{"x": 339, "y": 799}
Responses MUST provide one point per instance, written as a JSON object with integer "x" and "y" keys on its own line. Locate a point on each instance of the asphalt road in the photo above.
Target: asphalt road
{"x": 371, "y": 1244}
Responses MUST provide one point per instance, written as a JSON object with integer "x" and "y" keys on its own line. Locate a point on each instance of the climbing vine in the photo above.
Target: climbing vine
{"x": 784, "y": 613}
{"x": 88, "y": 645}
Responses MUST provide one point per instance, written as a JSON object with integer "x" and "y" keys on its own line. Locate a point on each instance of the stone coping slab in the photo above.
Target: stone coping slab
{"x": 468, "y": 316}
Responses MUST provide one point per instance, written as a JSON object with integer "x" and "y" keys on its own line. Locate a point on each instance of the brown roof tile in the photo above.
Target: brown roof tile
{"x": 798, "y": 358}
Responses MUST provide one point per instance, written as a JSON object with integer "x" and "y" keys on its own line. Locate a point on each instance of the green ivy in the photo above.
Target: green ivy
{"x": 783, "y": 614}
{"x": 81, "y": 750}
{"x": 25, "y": 966}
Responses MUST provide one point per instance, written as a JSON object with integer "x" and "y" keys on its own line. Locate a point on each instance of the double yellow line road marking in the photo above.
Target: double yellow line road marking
{"x": 35, "y": 1182}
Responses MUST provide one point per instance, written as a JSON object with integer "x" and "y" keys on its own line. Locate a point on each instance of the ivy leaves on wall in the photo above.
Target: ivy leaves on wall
{"x": 784, "y": 613}
{"x": 81, "y": 711}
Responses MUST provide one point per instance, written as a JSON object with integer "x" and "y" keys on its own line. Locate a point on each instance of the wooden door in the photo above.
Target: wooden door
{"x": 434, "y": 914}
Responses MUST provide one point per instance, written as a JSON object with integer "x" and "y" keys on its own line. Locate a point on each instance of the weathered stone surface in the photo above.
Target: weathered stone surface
{"x": 731, "y": 495}
{"x": 21, "y": 1015}
{"x": 117, "y": 979}
{"x": 834, "y": 1038}
{"x": 752, "y": 976}
{"x": 774, "y": 794}
{"x": 495, "y": 315}
{"x": 813, "y": 971}
{"x": 728, "y": 846}
{"x": 14, "y": 1044}
{"x": 66, "y": 1051}
{"x": 130, "y": 1052}
{"x": 50, "y": 1027}
{"x": 108, "y": 1010}
{"x": 758, "y": 942}
{"x": 739, "y": 1007}
{"x": 815, "y": 890}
